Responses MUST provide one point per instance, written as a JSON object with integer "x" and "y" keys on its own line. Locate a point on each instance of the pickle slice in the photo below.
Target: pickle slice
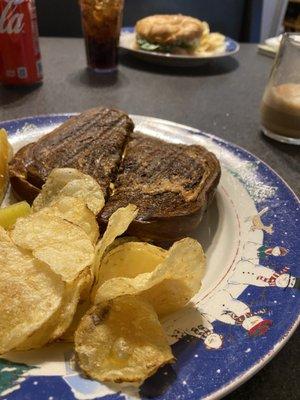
{"x": 10, "y": 214}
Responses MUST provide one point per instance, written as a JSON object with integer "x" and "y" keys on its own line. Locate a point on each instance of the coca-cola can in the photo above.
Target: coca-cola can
{"x": 20, "y": 57}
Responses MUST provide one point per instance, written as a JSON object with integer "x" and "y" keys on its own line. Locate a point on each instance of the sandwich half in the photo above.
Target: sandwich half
{"x": 92, "y": 142}
{"x": 171, "y": 184}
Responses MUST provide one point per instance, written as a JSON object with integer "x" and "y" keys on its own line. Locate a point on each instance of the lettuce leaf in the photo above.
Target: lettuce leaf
{"x": 148, "y": 46}
{"x": 145, "y": 45}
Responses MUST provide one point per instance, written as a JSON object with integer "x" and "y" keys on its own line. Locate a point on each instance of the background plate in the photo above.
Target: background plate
{"x": 127, "y": 40}
{"x": 249, "y": 304}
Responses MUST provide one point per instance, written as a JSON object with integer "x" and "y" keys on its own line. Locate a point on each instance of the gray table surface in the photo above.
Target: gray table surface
{"x": 221, "y": 98}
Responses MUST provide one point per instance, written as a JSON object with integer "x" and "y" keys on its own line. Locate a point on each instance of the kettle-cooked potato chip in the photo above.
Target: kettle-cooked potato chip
{"x": 170, "y": 285}
{"x": 73, "y": 183}
{"x": 121, "y": 340}
{"x": 65, "y": 247}
{"x": 30, "y": 293}
{"x": 121, "y": 240}
{"x": 73, "y": 295}
{"x": 74, "y": 210}
{"x": 130, "y": 259}
{"x": 60, "y": 320}
{"x": 117, "y": 225}
{"x": 82, "y": 309}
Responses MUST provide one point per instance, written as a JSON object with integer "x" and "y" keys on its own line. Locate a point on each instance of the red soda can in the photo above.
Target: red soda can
{"x": 20, "y": 57}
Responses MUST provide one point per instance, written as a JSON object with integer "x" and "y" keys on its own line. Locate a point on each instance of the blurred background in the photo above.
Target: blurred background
{"x": 243, "y": 20}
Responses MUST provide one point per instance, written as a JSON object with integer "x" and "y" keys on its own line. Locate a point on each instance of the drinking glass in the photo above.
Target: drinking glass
{"x": 280, "y": 107}
{"x": 101, "y": 24}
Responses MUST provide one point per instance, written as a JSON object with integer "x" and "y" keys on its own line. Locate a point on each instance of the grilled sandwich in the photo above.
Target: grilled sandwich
{"x": 171, "y": 184}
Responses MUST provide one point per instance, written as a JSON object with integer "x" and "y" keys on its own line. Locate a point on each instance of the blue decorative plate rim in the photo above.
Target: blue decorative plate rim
{"x": 269, "y": 345}
{"x": 232, "y": 47}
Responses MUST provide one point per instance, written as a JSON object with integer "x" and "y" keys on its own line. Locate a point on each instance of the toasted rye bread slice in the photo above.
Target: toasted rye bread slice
{"x": 171, "y": 184}
{"x": 92, "y": 142}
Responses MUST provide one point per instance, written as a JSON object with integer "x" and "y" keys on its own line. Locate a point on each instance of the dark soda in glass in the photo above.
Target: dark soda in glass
{"x": 101, "y": 23}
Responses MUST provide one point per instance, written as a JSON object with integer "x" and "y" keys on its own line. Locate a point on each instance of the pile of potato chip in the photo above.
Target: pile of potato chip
{"x": 59, "y": 280}
{"x": 211, "y": 42}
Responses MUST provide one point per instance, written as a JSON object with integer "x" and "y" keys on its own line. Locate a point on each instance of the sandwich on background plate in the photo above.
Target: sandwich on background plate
{"x": 177, "y": 34}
